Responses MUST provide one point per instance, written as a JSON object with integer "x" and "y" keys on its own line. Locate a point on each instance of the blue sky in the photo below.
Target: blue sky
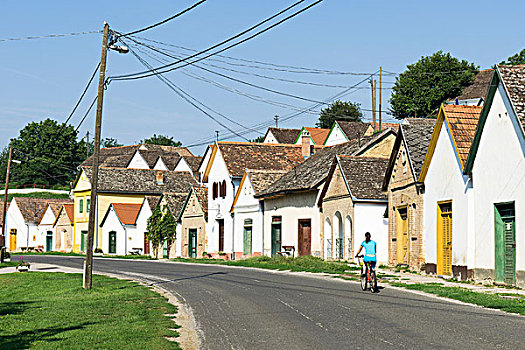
{"x": 44, "y": 78}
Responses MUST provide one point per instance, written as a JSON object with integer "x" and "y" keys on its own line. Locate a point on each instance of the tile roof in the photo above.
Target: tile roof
{"x": 352, "y": 129}
{"x": 175, "y": 202}
{"x": 152, "y": 201}
{"x": 261, "y": 179}
{"x": 417, "y": 133}
{"x": 462, "y": 121}
{"x": 33, "y": 209}
{"x": 119, "y": 157}
{"x": 126, "y": 212}
{"x": 284, "y": 135}
{"x": 202, "y": 196}
{"x": 514, "y": 80}
{"x": 241, "y": 155}
{"x": 384, "y": 125}
{"x": 364, "y": 175}
{"x": 318, "y": 135}
{"x": 143, "y": 181}
{"x": 479, "y": 87}
{"x": 314, "y": 170}
{"x": 193, "y": 163}
{"x": 70, "y": 211}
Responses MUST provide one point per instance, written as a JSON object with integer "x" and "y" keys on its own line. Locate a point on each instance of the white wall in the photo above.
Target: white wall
{"x": 15, "y": 220}
{"x": 445, "y": 181}
{"x": 270, "y": 138}
{"x": 160, "y": 165}
{"x": 137, "y": 236}
{"x": 138, "y": 162}
{"x": 182, "y": 165}
{"x": 368, "y": 217}
{"x": 336, "y": 137}
{"x": 46, "y": 224}
{"x": 248, "y": 207}
{"x": 112, "y": 223}
{"x": 499, "y": 176}
{"x": 291, "y": 208}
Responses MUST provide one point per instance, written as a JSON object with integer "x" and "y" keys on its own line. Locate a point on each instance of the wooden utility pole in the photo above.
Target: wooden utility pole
{"x": 373, "y": 87}
{"x": 4, "y": 235}
{"x": 87, "y": 144}
{"x": 276, "y": 118}
{"x": 380, "y": 90}
{"x": 217, "y": 132}
{"x": 88, "y": 264}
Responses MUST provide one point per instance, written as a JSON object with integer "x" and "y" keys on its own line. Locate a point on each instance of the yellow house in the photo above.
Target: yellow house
{"x": 119, "y": 185}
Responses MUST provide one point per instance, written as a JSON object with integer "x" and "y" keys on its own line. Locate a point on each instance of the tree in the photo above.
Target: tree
{"x": 108, "y": 142}
{"x": 424, "y": 85}
{"x": 161, "y": 140}
{"x": 518, "y": 58}
{"x": 154, "y": 228}
{"x": 49, "y": 152}
{"x": 258, "y": 139}
{"x": 168, "y": 226}
{"x": 339, "y": 110}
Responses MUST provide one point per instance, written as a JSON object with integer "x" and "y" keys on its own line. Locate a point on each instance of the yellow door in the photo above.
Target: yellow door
{"x": 444, "y": 238}
{"x": 12, "y": 240}
{"x": 402, "y": 236}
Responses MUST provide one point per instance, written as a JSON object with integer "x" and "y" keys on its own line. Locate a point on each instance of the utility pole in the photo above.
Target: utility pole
{"x": 87, "y": 144}
{"x": 373, "y": 88}
{"x": 380, "y": 89}
{"x": 88, "y": 264}
{"x": 276, "y": 118}
{"x": 217, "y": 132}
{"x": 2, "y": 239}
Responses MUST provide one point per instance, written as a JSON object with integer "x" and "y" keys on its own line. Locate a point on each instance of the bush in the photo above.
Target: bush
{"x": 98, "y": 250}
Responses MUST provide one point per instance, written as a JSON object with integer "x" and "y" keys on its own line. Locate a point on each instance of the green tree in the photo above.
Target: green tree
{"x": 518, "y": 58}
{"x": 424, "y": 85}
{"x": 154, "y": 227}
{"x": 168, "y": 226}
{"x": 258, "y": 139}
{"x": 161, "y": 140}
{"x": 339, "y": 110}
{"x": 108, "y": 142}
{"x": 49, "y": 152}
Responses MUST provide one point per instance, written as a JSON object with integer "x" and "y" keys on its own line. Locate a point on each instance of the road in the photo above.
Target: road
{"x": 237, "y": 308}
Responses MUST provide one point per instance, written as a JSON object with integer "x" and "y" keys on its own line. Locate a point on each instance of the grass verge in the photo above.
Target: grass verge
{"x": 143, "y": 257}
{"x": 492, "y": 301}
{"x": 301, "y": 263}
{"x": 45, "y": 310}
{"x": 8, "y": 264}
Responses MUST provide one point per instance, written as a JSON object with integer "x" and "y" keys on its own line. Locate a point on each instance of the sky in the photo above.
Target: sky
{"x": 43, "y": 78}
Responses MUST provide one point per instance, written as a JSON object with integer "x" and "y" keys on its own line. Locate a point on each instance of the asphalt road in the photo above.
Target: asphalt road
{"x": 237, "y": 308}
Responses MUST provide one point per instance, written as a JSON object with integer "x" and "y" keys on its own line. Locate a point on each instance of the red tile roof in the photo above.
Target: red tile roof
{"x": 463, "y": 121}
{"x": 127, "y": 213}
{"x": 70, "y": 211}
{"x": 318, "y": 135}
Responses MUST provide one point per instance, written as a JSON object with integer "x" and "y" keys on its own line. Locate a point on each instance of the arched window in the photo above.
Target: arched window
{"x": 338, "y": 235}
{"x": 327, "y": 239}
{"x": 215, "y": 190}
{"x": 349, "y": 236}
{"x": 222, "y": 188}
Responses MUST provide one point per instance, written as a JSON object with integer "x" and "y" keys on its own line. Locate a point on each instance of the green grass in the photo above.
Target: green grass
{"x": 46, "y": 253}
{"x": 8, "y": 264}
{"x": 492, "y": 301}
{"x": 302, "y": 263}
{"x": 147, "y": 257}
{"x": 46, "y": 310}
{"x": 143, "y": 257}
{"x": 37, "y": 195}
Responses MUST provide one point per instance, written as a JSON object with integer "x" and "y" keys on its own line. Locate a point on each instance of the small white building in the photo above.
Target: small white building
{"x": 344, "y": 131}
{"x": 119, "y": 229}
{"x": 281, "y": 135}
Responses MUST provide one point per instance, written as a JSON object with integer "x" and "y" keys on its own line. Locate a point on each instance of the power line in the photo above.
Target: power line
{"x": 87, "y": 112}
{"x": 50, "y": 36}
{"x": 144, "y": 74}
{"x": 166, "y": 20}
{"x": 83, "y": 93}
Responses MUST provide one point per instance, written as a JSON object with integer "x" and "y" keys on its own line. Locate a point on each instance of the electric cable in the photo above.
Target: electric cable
{"x": 51, "y": 36}
{"x": 87, "y": 112}
{"x": 83, "y": 93}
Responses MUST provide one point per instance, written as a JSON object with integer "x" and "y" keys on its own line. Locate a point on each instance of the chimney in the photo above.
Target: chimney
{"x": 160, "y": 178}
{"x": 305, "y": 143}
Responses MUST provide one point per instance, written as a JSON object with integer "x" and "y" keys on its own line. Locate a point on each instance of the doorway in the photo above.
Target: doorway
{"x": 402, "y": 236}
{"x": 112, "y": 242}
{"x": 146, "y": 244}
{"x": 444, "y": 238}
{"x": 49, "y": 241}
{"x": 276, "y": 235}
{"x": 505, "y": 243}
{"x": 12, "y": 239}
{"x": 247, "y": 246}
{"x": 83, "y": 241}
{"x": 304, "y": 237}
{"x": 192, "y": 243}
{"x": 221, "y": 235}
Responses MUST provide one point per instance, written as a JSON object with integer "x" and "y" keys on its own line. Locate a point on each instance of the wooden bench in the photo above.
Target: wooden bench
{"x": 135, "y": 251}
{"x": 287, "y": 250}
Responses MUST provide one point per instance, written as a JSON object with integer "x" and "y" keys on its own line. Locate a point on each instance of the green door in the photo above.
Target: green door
{"x": 247, "y": 248}
{"x": 165, "y": 250}
{"x": 192, "y": 243}
{"x": 49, "y": 241}
{"x": 505, "y": 243}
{"x": 112, "y": 242}
{"x": 83, "y": 241}
{"x": 276, "y": 237}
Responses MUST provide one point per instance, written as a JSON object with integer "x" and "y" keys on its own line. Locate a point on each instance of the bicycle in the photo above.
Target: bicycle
{"x": 368, "y": 275}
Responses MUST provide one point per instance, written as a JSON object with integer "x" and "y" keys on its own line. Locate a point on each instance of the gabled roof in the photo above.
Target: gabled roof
{"x": 126, "y": 212}
{"x": 287, "y": 136}
{"x": 55, "y": 209}
{"x": 462, "y": 122}
{"x": 312, "y": 172}
{"x": 479, "y": 87}
{"x": 152, "y": 201}
{"x": 201, "y": 193}
{"x": 141, "y": 181}
{"x": 352, "y": 129}
{"x": 415, "y": 134}
{"x": 394, "y": 126}
{"x": 32, "y": 209}
{"x": 259, "y": 179}
{"x": 69, "y": 211}
{"x": 317, "y": 135}
{"x": 175, "y": 202}
{"x": 193, "y": 163}
{"x": 241, "y": 155}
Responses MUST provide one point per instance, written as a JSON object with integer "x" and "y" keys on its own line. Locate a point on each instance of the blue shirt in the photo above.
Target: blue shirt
{"x": 370, "y": 249}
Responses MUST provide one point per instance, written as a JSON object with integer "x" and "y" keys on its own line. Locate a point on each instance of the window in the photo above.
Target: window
{"x": 215, "y": 190}
{"x": 88, "y": 201}
{"x": 81, "y": 206}
{"x": 223, "y": 189}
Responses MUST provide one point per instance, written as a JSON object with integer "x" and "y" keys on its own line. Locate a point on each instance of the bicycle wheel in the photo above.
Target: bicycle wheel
{"x": 373, "y": 282}
{"x": 364, "y": 281}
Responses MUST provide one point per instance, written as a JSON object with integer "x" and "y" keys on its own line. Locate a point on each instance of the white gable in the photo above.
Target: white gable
{"x": 336, "y": 136}
{"x": 205, "y": 161}
{"x": 182, "y": 165}
{"x": 270, "y": 138}
{"x": 48, "y": 218}
{"x": 138, "y": 162}
{"x": 160, "y": 165}
{"x": 246, "y": 197}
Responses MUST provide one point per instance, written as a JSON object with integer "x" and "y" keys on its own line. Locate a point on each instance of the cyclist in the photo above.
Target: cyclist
{"x": 370, "y": 251}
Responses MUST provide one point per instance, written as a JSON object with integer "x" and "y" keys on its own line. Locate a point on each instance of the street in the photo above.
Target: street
{"x": 238, "y": 308}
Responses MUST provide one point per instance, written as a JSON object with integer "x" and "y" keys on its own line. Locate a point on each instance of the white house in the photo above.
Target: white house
{"x": 317, "y": 136}
{"x": 223, "y": 175}
{"x": 119, "y": 229}
{"x": 344, "y": 131}
{"x": 46, "y": 236}
{"x": 449, "y": 203}
{"x": 248, "y": 211}
{"x": 281, "y": 135}
{"x": 496, "y": 164}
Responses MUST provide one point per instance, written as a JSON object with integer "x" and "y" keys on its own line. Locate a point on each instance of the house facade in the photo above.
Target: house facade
{"x": 193, "y": 220}
{"x": 281, "y": 135}
{"x": 63, "y": 227}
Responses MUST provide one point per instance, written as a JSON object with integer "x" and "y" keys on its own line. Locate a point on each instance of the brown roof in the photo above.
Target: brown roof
{"x": 202, "y": 196}
{"x": 463, "y": 121}
{"x": 261, "y": 179}
{"x": 364, "y": 175}
{"x": 142, "y": 181}
{"x": 479, "y": 87}
{"x": 514, "y": 80}
{"x": 70, "y": 211}
{"x": 318, "y": 135}
{"x": 284, "y": 135}
{"x": 193, "y": 163}
{"x": 126, "y": 212}
{"x": 384, "y": 125}
{"x": 175, "y": 202}
{"x": 353, "y": 129}
{"x": 241, "y": 155}
{"x": 153, "y": 201}
{"x": 33, "y": 209}
{"x": 119, "y": 157}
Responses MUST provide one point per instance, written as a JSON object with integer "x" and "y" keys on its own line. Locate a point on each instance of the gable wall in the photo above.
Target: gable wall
{"x": 193, "y": 218}
{"x": 63, "y": 238}
{"x": 336, "y": 137}
{"x": 270, "y": 138}
{"x": 182, "y": 165}
{"x": 112, "y": 223}
{"x": 138, "y": 162}
{"x": 382, "y": 149}
{"x": 248, "y": 207}
{"x": 160, "y": 165}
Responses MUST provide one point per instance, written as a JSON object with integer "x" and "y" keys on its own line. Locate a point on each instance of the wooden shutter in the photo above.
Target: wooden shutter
{"x": 214, "y": 190}
{"x": 499, "y": 229}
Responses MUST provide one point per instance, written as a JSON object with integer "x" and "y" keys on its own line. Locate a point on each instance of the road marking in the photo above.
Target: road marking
{"x": 318, "y": 324}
